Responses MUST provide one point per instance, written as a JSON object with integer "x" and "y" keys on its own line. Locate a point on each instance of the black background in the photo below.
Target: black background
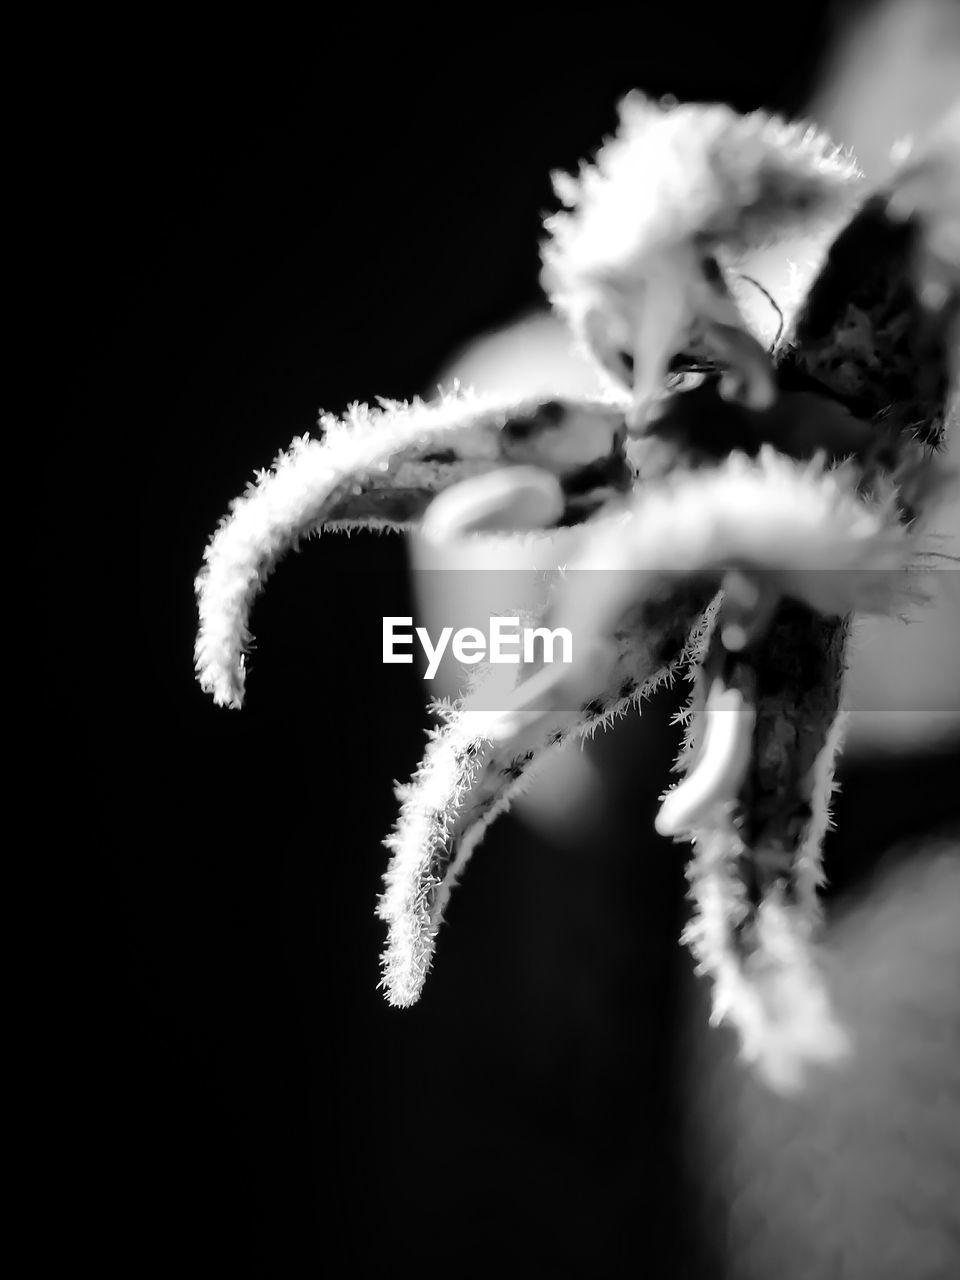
{"x": 244, "y": 227}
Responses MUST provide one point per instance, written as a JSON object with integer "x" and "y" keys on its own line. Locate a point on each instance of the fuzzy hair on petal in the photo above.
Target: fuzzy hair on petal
{"x": 769, "y": 988}
{"x": 377, "y": 467}
{"x": 802, "y": 524}
{"x": 466, "y": 781}
{"x": 691, "y": 172}
{"x": 808, "y": 875}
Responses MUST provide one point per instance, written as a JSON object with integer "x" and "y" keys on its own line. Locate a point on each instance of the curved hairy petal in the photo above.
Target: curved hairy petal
{"x": 756, "y": 870}
{"x": 770, "y": 989}
{"x": 632, "y": 259}
{"x": 693, "y": 171}
{"x": 801, "y": 526}
{"x": 381, "y": 468}
{"x": 467, "y": 779}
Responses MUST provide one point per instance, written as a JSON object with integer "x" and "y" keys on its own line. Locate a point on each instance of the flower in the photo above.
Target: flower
{"x": 726, "y": 530}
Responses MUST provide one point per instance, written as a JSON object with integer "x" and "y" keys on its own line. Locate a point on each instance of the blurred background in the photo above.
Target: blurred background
{"x": 242, "y": 233}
